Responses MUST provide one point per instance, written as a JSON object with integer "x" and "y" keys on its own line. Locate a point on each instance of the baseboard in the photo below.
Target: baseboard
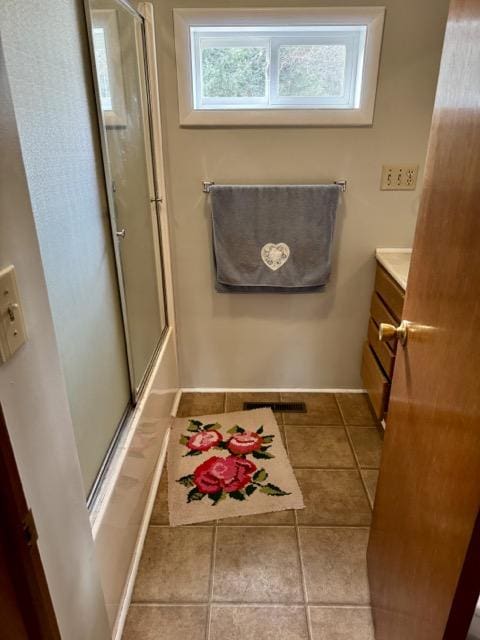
{"x": 132, "y": 574}
{"x": 266, "y": 390}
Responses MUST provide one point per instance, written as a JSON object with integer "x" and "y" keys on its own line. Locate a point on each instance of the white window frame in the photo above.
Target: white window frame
{"x": 235, "y": 40}
{"x": 372, "y": 18}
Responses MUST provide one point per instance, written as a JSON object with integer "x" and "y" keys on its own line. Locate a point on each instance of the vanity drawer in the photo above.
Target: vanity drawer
{"x": 375, "y": 382}
{"x": 383, "y": 352}
{"x": 380, "y": 313}
{"x": 389, "y": 291}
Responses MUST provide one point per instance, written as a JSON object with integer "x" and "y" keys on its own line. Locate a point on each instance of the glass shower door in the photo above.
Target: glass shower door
{"x": 122, "y": 85}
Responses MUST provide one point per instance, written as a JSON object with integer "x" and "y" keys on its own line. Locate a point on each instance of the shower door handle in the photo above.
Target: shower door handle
{"x": 121, "y": 233}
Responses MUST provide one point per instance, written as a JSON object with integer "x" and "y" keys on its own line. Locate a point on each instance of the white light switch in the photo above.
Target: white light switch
{"x": 12, "y": 326}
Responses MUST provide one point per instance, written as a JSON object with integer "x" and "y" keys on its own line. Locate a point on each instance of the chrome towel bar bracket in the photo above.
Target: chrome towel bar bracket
{"x": 206, "y": 186}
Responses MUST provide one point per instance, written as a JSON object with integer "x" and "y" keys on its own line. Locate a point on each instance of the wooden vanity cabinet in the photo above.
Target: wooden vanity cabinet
{"x": 378, "y": 359}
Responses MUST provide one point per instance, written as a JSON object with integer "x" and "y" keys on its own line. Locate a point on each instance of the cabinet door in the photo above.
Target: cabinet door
{"x": 375, "y": 382}
{"x": 390, "y": 292}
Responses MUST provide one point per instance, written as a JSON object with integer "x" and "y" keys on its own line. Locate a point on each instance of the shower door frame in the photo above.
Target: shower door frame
{"x": 156, "y": 198}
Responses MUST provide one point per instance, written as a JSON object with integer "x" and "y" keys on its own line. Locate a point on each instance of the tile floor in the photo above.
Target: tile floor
{"x": 283, "y": 576}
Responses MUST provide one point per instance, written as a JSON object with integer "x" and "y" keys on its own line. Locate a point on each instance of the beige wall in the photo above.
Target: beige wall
{"x": 33, "y": 396}
{"x": 311, "y": 340}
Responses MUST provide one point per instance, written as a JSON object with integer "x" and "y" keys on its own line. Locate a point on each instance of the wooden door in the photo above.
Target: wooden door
{"x": 26, "y": 610}
{"x": 424, "y": 549}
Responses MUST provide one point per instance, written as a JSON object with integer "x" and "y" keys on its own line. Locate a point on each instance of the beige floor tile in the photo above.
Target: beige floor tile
{"x": 318, "y": 447}
{"x": 356, "y": 409}
{"x": 201, "y": 404}
{"x": 261, "y": 519}
{"x": 175, "y": 565}
{"x": 257, "y": 564}
{"x": 165, "y": 623}
{"x": 341, "y": 623}
{"x": 368, "y": 446}
{"x": 160, "y": 506}
{"x": 335, "y": 565}
{"x": 322, "y": 409}
{"x": 252, "y": 623}
{"x": 371, "y": 477}
{"x": 235, "y": 401}
{"x": 332, "y": 497}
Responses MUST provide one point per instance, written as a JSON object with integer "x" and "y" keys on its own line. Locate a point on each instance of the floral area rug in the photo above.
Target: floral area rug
{"x": 226, "y": 465}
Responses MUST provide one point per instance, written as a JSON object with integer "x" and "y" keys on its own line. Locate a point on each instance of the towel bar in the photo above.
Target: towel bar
{"x": 206, "y": 184}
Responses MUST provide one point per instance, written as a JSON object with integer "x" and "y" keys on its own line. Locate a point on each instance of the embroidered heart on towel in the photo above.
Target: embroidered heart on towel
{"x": 275, "y": 255}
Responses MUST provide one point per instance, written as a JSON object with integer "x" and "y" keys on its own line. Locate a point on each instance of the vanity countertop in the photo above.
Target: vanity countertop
{"x": 396, "y": 262}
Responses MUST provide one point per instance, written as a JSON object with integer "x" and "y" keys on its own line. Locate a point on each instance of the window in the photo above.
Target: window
{"x": 108, "y": 62}
{"x": 277, "y": 66}
{"x": 277, "y": 69}
{"x": 100, "y": 47}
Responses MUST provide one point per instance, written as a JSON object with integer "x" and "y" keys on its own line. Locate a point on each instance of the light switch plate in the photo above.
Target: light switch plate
{"x": 12, "y": 326}
{"x": 399, "y": 177}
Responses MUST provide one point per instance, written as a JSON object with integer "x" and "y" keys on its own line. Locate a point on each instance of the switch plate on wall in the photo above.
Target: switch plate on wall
{"x": 399, "y": 177}
{"x": 12, "y": 327}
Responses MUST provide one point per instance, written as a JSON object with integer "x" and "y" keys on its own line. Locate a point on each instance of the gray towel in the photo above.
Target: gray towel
{"x": 273, "y": 238}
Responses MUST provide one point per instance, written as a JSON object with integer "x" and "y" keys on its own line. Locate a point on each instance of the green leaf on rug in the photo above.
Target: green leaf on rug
{"x": 212, "y": 425}
{"x": 262, "y": 455}
{"x": 260, "y": 475}
{"x": 187, "y": 481}
{"x": 260, "y": 429}
{"x": 195, "y": 494}
{"x": 194, "y": 425}
{"x": 236, "y": 429}
{"x": 237, "y": 495}
{"x": 221, "y": 445}
{"x": 267, "y": 439}
{"x": 184, "y": 439}
{"x": 249, "y": 489}
{"x": 272, "y": 490}
{"x": 192, "y": 453}
{"x": 216, "y": 497}
{"x": 266, "y": 448}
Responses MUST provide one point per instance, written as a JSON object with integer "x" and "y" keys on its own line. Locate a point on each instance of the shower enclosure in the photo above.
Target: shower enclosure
{"x": 118, "y": 42}
{"x": 118, "y": 51}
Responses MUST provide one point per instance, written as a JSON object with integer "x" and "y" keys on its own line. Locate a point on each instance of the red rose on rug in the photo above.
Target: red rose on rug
{"x": 227, "y": 474}
{"x": 245, "y": 442}
{"x": 204, "y": 440}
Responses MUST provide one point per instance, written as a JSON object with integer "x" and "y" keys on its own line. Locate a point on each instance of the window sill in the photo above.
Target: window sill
{"x": 277, "y": 118}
